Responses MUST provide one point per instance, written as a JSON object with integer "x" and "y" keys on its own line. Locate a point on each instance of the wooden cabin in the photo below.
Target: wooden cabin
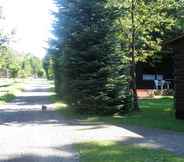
{"x": 177, "y": 45}
{"x": 148, "y": 72}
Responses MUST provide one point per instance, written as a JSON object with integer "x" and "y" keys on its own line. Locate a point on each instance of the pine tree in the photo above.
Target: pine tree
{"x": 89, "y": 73}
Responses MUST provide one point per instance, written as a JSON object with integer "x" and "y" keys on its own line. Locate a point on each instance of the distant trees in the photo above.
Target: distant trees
{"x": 31, "y": 66}
{"x": 13, "y": 64}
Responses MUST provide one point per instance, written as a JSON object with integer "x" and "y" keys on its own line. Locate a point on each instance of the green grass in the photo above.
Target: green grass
{"x": 63, "y": 108}
{"x": 7, "y": 97}
{"x": 155, "y": 113}
{"x": 9, "y": 88}
{"x": 117, "y": 152}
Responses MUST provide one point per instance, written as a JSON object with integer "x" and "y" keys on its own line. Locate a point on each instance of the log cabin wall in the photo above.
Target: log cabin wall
{"x": 178, "y": 46}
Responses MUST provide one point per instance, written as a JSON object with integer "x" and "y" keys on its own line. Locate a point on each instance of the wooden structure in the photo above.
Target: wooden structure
{"x": 177, "y": 45}
{"x": 148, "y": 72}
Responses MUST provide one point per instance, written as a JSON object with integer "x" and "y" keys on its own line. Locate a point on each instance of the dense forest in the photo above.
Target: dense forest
{"x": 96, "y": 45}
{"x": 14, "y": 64}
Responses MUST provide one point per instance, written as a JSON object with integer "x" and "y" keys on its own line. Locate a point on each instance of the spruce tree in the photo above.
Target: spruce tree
{"x": 89, "y": 73}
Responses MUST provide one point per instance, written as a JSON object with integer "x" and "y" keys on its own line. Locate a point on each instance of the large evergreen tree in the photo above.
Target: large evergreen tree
{"x": 89, "y": 73}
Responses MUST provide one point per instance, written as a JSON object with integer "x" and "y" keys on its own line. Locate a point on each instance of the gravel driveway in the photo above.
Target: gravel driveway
{"x": 29, "y": 135}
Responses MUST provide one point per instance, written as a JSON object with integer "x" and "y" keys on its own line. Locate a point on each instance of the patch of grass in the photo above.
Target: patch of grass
{"x": 9, "y": 88}
{"x": 7, "y": 97}
{"x": 155, "y": 113}
{"x": 117, "y": 152}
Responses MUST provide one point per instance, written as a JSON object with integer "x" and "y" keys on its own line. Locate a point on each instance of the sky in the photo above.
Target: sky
{"x": 31, "y": 20}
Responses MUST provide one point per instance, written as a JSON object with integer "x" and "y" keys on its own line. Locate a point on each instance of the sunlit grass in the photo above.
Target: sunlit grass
{"x": 6, "y": 98}
{"x": 155, "y": 113}
{"x": 9, "y": 88}
{"x": 107, "y": 151}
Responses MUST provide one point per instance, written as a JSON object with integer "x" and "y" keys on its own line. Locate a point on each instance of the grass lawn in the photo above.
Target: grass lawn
{"x": 155, "y": 113}
{"x": 116, "y": 152}
{"x": 9, "y": 88}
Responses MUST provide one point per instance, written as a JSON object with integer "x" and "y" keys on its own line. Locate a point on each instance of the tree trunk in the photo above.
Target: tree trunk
{"x": 135, "y": 105}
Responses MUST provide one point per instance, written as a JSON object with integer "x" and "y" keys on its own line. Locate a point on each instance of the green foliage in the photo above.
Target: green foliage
{"x": 13, "y": 64}
{"x": 154, "y": 23}
{"x": 9, "y": 62}
{"x": 48, "y": 67}
{"x": 7, "y": 97}
{"x": 9, "y": 89}
{"x": 143, "y": 27}
{"x": 31, "y": 66}
{"x": 89, "y": 74}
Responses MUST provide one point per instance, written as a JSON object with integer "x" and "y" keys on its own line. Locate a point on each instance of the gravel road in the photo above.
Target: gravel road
{"x": 29, "y": 135}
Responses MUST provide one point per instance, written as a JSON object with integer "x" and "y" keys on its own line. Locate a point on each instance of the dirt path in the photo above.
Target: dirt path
{"x": 29, "y": 135}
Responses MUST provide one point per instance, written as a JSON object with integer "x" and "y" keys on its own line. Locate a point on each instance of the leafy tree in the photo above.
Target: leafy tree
{"x": 36, "y": 66}
{"x": 143, "y": 26}
{"x": 31, "y": 66}
{"x": 9, "y": 62}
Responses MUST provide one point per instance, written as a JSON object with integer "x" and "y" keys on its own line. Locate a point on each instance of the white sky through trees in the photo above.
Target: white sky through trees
{"x": 31, "y": 20}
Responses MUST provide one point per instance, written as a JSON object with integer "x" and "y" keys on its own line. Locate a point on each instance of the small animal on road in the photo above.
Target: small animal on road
{"x": 44, "y": 108}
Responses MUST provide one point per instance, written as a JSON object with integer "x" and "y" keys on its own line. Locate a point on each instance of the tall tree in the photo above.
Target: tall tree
{"x": 88, "y": 71}
{"x": 135, "y": 105}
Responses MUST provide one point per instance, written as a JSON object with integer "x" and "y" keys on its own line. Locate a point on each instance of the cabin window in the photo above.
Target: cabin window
{"x": 148, "y": 77}
{"x": 153, "y": 77}
{"x": 160, "y": 77}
